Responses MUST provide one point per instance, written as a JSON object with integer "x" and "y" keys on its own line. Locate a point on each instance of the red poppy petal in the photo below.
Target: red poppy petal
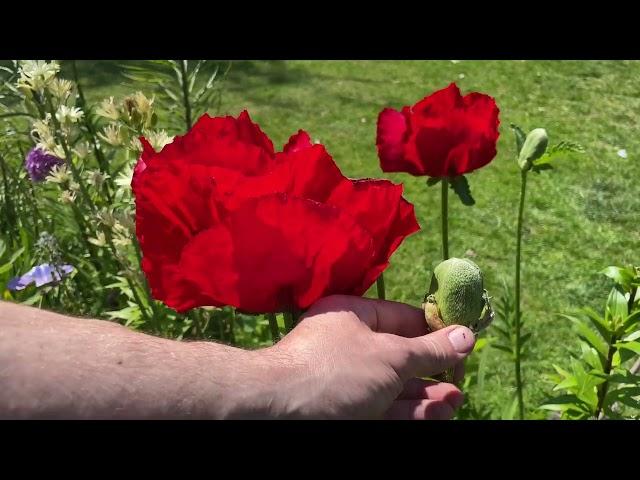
{"x": 221, "y": 142}
{"x": 378, "y": 206}
{"x": 298, "y": 141}
{"x": 308, "y": 173}
{"x": 441, "y": 102}
{"x": 390, "y": 139}
{"x": 171, "y": 207}
{"x": 278, "y": 251}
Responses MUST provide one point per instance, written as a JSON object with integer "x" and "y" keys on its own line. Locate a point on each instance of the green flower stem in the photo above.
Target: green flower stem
{"x": 273, "y": 325}
{"x": 519, "y": 386}
{"x": 288, "y": 321}
{"x": 185, "y": 93}
{"x": 151, "y": 301}
{"x": 197, "y": 321}
{"x": 604, "y": 387}
{"x": 444, "y": 204}
{"x": 380, "y": 287}
{"x": 37, "y": 218}
{"x": 231, "y": 326}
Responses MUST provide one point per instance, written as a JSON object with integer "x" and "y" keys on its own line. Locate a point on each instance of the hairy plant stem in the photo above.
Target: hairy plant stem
{"x": 380, "y": 287}
{"x": 273, "y": 325}
{"x": 519, "y": 386}
{"x": 444, "y": 205}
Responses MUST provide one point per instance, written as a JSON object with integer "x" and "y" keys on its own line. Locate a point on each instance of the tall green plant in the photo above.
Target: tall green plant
{"x": 532, "y": 155}
{"x": 603, "y": 381}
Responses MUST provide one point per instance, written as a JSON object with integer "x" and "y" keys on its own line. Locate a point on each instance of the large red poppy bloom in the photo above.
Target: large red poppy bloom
{"x": 443, "y": 135}
{"x": 222, "y": 219}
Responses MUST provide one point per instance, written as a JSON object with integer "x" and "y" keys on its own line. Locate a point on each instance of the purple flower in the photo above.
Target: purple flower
{"x": 40, "y": 163}
{"x": 41, "y": 275}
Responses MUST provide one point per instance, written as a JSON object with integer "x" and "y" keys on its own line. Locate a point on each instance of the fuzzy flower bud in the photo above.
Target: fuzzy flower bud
{"x": 533, "y": 148}
{"x": 457, "y": 296}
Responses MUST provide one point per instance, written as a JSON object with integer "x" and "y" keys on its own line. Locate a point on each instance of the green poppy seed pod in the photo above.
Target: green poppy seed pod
{"x": 457, "y": 296}
{"x": 533, "y": 148}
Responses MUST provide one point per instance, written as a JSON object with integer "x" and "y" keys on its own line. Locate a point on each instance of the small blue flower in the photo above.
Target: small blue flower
{"x": 40, "y": 163}
{"x": 41, "y": 275}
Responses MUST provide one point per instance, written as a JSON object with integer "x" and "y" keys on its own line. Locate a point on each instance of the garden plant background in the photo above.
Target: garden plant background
{"x": 581, "y": 218}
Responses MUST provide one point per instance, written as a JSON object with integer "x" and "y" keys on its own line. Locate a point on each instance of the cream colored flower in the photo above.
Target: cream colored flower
{"x": 106, "y": 218}
{"x": 58, "y": 151}
{"x": 126, "y": 220}
{"x": 36, "y": 74}
{"x": 96, "y": 178}
{"x": 135, "y": 146}
{"x": 67, "y": 196}
{"x": 119, "y": 241}
{"x": 100, "y": 240}
{"x": 68, "y": 115}
{"x": 143, "y": 104}
{"x": 82, "y": 150}
{"x": 158, "y": 139}
{"x": 108, "y": 109}
{"x": 61, "y": 88}
{"x": 112, "y": 135}
{"x": 123, "y": 180}
{"x": 59, "y": 174}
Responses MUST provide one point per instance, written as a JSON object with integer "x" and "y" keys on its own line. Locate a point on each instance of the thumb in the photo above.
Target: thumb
{"x": 431, "y": 354}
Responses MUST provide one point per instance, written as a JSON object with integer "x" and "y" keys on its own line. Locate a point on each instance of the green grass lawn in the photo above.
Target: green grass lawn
{"x": 581, "y": 217}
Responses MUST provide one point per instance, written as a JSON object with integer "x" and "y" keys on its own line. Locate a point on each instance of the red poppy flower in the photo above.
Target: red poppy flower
{"x": 443, "y": 135}
{"x": 222, "y": 219}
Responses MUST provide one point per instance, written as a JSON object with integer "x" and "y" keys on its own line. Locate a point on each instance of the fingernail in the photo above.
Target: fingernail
{"x": 462, "y": 339}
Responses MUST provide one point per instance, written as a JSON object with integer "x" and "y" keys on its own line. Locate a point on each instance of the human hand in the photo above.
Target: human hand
{"x": 351, "y": 357}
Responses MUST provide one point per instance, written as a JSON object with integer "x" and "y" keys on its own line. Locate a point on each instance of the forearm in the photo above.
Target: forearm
{"x": 53, "y": 366}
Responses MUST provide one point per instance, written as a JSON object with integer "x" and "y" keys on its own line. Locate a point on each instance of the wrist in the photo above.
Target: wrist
{"x": 233, "y": 383}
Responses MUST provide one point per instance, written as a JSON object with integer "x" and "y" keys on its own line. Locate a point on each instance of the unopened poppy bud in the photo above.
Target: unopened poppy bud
{"x": 457, "y": 296}
{"x": 533, "y": 148}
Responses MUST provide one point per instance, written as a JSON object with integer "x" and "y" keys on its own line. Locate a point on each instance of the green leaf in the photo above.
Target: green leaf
{"x": 431, "y": 181}
{"x": 497, "y": 329}
{"x": 480, "y": 344}
{"x": 524, "y": 338}
{"x": 632, "y": 346}
{"x": 562, "y": 372}
{"x": 7, "y": 266}
{"x": 557, "y": 150}
{"x": 601, "y": 325}
{"x": 624, "y": 378}
{"x": 510, "y": 411}
{"x": 622, "y": 276}
{"x": 617, "y": 306}
{"x": 592, "y": 338}
{"x": 460, "y": 185}
{"x": 592, "y": 357}
{"x": 504, "y": 348}
{"x": 631, "y": 321}
{"x": 541, "y": 168}
{"x": 634, "y": 336}
{"x": 520, "y": 137}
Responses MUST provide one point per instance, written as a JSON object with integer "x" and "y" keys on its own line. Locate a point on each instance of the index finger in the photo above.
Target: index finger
{"x": 388, "y": 317}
